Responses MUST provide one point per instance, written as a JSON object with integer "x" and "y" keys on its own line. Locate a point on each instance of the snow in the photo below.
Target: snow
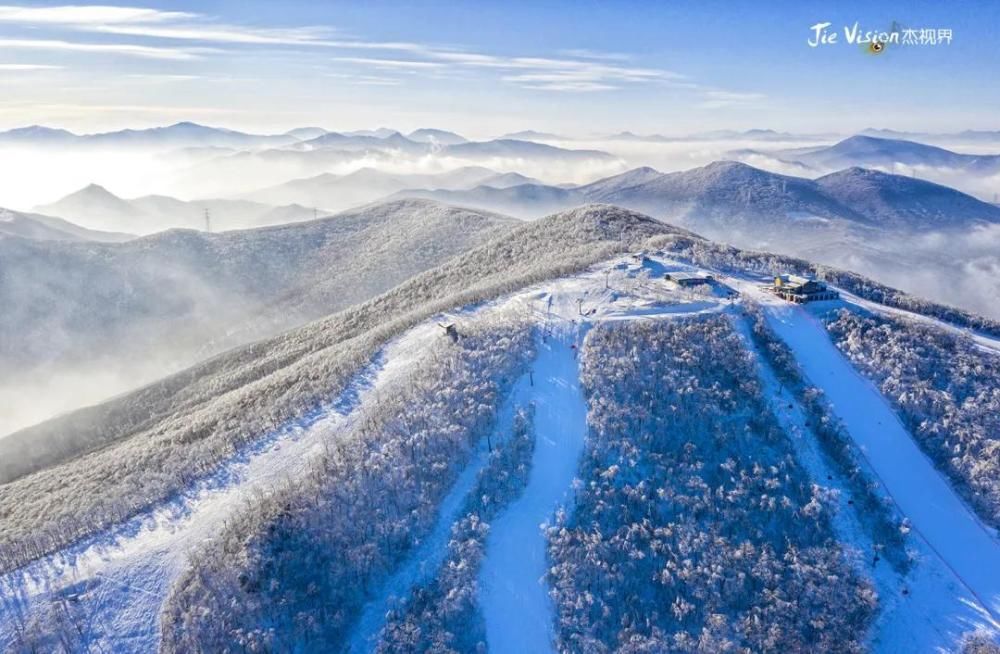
{"x": 513, "y": 594}
{"x": 514, "y": 597}
{"x": 956, "y": 585}
{"x": 121, "y": 577}
{"x": 425, "y": 560}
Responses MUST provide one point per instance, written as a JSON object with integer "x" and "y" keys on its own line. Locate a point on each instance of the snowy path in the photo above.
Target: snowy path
{"x": 957, "y": 584}
{"x": 427, "y": 557}
{"x": 513, "y": 593}
{"x": 120, "y": 578}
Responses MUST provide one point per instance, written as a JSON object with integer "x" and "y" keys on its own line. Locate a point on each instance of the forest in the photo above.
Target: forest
{"x": 944, "y": 388}
{"x": 293, "y": 571}
{"x": 695, "y": 529}
{"x": 443, "y": 615}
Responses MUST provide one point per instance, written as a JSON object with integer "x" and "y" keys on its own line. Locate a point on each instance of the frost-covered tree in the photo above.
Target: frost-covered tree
{"x": 292, "y": 571}
{"x": 694, "y": 528}
{"x": 945, "y": 388}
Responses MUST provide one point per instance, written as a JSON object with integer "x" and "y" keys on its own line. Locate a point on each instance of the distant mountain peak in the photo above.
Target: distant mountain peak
{"x": 94, "y": 189}
{"x": 432, "y": 135}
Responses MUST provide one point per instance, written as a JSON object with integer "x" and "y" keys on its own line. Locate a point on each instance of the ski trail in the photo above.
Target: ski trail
{"x": 119, "y": 578}
{"x": 852, "y": 534}
{"x": 425, "y": 559}
{"x": 513, "y": 594}
{"x": 957, "y": 582}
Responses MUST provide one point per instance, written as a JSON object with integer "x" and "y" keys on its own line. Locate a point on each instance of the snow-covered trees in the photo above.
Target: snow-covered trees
{"x": 695, "y": 530}
{"x": 945, "y": 389}
{"x": 443, "y": 615}
{"x": 148, "y": 445}
{"x": 873, "y": 508}
{"x": 292, "y": 571}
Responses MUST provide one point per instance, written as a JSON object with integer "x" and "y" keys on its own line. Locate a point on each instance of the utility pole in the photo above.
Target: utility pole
{"x": 208, "y": 221}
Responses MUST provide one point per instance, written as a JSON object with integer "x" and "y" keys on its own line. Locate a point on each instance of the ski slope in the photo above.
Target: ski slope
{"x": 956, "y": 584}
{"x": 514, "y": 598}
{"x": 513, "y": 593}
{"x": 427, "y": 557}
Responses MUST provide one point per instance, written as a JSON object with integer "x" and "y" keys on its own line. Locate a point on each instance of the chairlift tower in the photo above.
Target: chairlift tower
{"x": 208, "y": 221}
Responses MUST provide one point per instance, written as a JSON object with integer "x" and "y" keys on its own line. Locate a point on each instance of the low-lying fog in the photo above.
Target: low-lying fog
{"x": 959, "y": 267}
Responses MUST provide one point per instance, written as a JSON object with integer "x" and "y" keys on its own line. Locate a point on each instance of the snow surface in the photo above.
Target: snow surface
{"x": 955, "y": 586}
{"x": 513, "y": 594}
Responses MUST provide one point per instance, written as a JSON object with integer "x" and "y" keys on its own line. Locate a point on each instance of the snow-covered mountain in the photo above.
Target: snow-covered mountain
{"x": 98, "y": 208}
{"x": 514, "y": 149}
{"x": 37, "y": 135}
{"x": 49, "y": 228}
{"x": 970, "y": 136}
{"x": 242, "y": 173}
{"x": 889, "y": 154}
{"x": 178, "y": 135}
{"x": 165, "y": 300}
{"x": 365, "y": 185}
{"x": 306, "y": 133}
{"x": 392, "y": 142}
{"x": 533, "y": 135}
{"x": 782, "y": 477}
{"x": 905, "y": 203}
{"x": 523, "y": 200}
{"x": 733, "y": 194}
{"x": 886, "y": 226}
{"x": 868, "y": 151}
{"x": 436, "y": 136}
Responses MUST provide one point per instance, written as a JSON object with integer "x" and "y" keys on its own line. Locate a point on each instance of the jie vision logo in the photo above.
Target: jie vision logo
{"x": 876, "y": 41}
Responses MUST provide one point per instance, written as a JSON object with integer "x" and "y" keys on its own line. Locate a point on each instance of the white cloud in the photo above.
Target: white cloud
{"x": 156, "y": 77}
{"x": 148, "y": 52}
{"x": 366, "y": 80}
{"x": 583, "y": 53}
{"x": 220, "y": 33}
{"x": 27, "y": 67}
{"x": 390, "y": 63}
{"x": 573, "y": 70}
{"x": 87, "y": 15}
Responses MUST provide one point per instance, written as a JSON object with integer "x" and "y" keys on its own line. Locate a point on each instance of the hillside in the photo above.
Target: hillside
{"x": 48, "y": 228}
{"x": 365, "y": 185}
{"x": 99, "y": 208}
{"x": 523, "y": 200}
{"x": 175, "y": 297}
{"x": 869, "y": 151}
{"x": 366, "y": 460}
{"x": 905, "y": 203}
{"x": 728, "y": 194}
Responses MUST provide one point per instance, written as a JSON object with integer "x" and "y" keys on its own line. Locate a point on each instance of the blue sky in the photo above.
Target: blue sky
{"x": 487, "y": 67}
